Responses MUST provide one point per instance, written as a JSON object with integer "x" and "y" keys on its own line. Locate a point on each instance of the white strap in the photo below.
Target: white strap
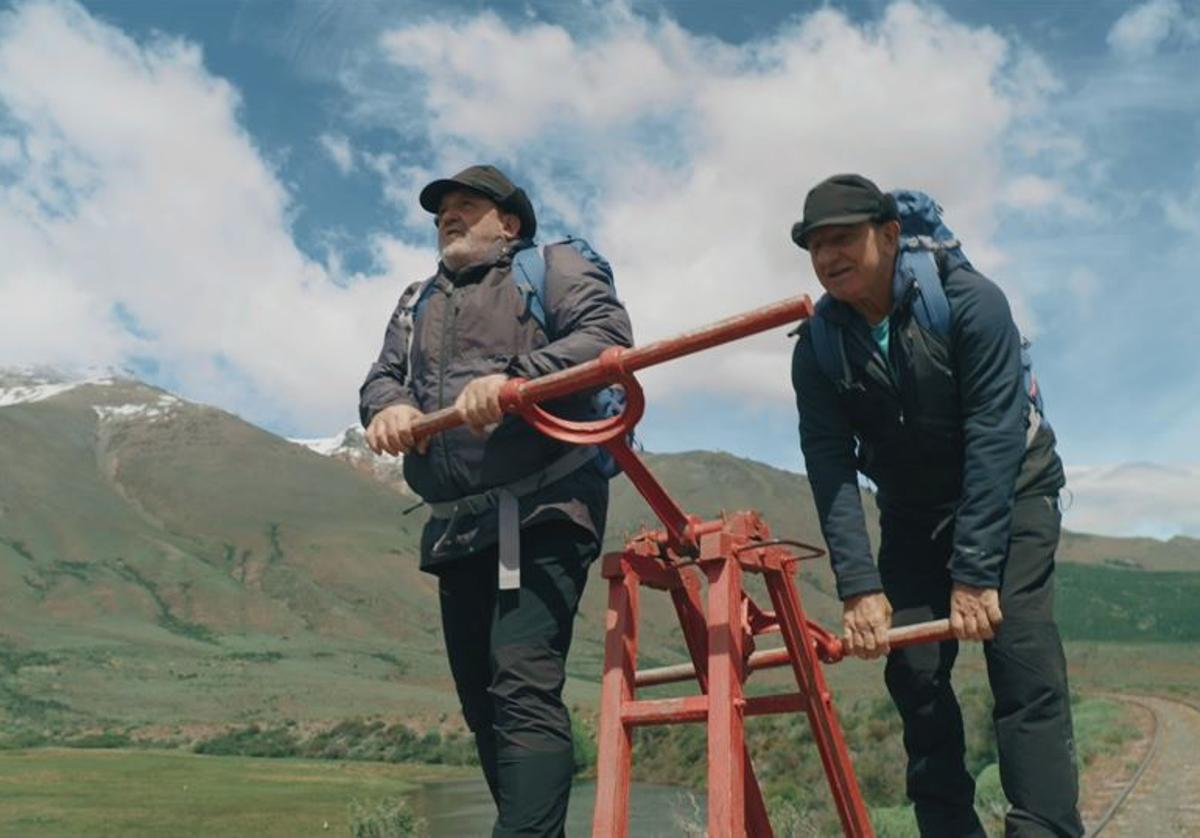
{"x": 510, "y": 541}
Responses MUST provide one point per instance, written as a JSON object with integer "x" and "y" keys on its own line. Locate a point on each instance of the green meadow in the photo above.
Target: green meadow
{"x": 131, "y": 793}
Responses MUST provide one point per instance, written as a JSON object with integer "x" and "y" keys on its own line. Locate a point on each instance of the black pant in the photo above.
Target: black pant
{"x": 1026, "y": 670}
{"x": 507, "y": 653}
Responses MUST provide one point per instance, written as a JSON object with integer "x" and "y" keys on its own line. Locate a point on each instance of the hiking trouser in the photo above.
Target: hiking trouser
{"x": 1026, "y": 670}
{"x": 507, "y": 653}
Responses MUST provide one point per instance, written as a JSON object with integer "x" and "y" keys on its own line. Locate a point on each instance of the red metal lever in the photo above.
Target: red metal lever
{"x": 616, "y": 363}
{"x": 595, "y": 432}
{"x": 829, "y": 650}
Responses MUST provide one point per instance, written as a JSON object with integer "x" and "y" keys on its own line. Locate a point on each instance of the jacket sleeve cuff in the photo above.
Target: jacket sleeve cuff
{"x": 519, "y": 367}
{"x": 859, "y": 584}
{"x": 978, "y": 574}
{"x": 368, "y": 412}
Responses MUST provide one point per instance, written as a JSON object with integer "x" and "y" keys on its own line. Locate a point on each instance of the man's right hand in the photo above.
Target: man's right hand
{"x": 391, "y": 430}
{"x": 866, "y": 620}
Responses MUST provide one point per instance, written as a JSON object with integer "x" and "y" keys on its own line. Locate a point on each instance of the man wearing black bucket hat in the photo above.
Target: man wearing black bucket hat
{"x": 516, "y": 517}
{"x": 934, "y": 410}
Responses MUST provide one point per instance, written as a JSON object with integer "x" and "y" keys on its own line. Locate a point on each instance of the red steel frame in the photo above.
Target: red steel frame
{"x": 719, "y": 645}
{"x": 719, "y": 638}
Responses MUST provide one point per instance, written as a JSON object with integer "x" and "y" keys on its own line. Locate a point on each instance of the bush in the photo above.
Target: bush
{"x": 1101, "y": 727}
{"x": 251, "y": 741}
{"x": 583, "y": 746}
{"x": 23, "y": 740}
{"x": 107, "y": 739}
{"x": 388, "y": 818}
{"x": 895, "y": 822}
{"x": 990, "y": 802}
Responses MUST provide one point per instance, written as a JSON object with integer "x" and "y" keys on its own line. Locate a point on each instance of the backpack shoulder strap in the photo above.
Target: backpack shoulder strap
{"x": 588, "y": 252}
{"x": 407, "y": 309}
{"x": 829, "y": 345}
{"x": 529, "y": 272}
{"x": 932, "y": 309}
{"x": 413, "y": 295}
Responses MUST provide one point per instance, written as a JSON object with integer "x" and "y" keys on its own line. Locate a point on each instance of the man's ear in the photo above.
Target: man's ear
{"x": 891, "y": 234}
{"x": 510, "y": 224}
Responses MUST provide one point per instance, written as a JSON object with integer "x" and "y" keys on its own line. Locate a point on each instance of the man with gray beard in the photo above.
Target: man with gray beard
{"x": 516, "y": 517}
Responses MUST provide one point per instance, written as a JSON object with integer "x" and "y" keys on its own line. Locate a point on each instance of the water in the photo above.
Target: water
{"x": 462, "y": 808}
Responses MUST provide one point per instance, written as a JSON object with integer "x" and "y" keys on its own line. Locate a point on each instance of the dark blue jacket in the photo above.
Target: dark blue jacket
{"x": 940, "y": 428}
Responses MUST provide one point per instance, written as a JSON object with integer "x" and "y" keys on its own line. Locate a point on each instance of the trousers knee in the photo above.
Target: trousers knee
{"x": 1027, "y": 669}
{"x": 526, "y": 696}
{"x": 917, "y": 676}
{"x": 477, "y": 710}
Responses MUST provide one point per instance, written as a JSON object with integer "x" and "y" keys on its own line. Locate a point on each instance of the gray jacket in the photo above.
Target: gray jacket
{"x": 476, "y": 322}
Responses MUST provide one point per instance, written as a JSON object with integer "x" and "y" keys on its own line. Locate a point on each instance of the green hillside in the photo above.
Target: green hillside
{"x": 192, "y": 562}
{"x": 167, "y": 566}
{"x": 1179, "y": 553}
{"x": 1115, "y": 605}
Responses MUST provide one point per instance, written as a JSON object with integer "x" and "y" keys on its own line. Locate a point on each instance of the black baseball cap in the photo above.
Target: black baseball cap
{"x": 491, "y": 183}
{"x": 843, "y": 199}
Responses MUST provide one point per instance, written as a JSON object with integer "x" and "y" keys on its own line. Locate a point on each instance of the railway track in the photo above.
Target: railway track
{"x": 1162, "y": 798}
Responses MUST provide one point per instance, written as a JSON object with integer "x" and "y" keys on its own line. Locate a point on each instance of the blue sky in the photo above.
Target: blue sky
{"x": 221, "y": 195}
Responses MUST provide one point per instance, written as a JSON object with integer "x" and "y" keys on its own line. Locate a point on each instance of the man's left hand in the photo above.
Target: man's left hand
{"x": 974, "y": 612}
{"x": 479, "y": 402}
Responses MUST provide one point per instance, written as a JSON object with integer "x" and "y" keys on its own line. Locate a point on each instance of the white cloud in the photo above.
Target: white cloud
{"x": 1142, "y": 30}
{"x": 686, "y": 159}
{"x": 338, "y": 147}
{"x": 1182, "y": 210}
{"x": 135, "y": 189}
{"x": 503, "y": 102}
{"x": 1038, "y": 193}
{"x": 1084, "y": 285}
{"x": 1135, "y": 499}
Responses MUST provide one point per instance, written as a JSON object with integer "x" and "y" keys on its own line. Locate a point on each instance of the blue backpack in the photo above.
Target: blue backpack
{"x": 529, "y": 273}
{"x": 924, "y": 240}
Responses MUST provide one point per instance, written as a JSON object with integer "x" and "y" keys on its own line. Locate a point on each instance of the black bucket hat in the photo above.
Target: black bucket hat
{"x": 843, "y": 199}
{"x": 491, "y": 183}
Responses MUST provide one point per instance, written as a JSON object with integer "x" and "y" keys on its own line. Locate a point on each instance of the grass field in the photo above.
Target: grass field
{"x": 60, "y": 792}
{"x": 74, "y": 792}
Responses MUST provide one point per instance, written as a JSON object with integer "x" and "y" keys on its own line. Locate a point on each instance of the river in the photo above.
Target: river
{"x": 463, "y": 808}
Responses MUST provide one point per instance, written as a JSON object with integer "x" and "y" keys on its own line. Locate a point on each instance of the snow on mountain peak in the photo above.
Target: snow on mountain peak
{"x": 350, "y": 446}
{"x": 326, "y": 446}
{"x": 21, "y": 385}
{"x": 157, "y": 409}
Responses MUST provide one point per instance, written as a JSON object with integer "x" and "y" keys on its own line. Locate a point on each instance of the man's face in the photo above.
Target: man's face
{"x": 469, "y": 225}
{"x": 854, "y": 262}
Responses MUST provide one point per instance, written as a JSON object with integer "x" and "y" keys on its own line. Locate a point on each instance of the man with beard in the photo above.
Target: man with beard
{"x": 516, "y": 517}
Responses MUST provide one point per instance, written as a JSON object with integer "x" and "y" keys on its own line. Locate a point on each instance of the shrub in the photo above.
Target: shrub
{"x": 583, "y": 746}
{"x": 990, "y": 802}
{"x": 895, "y": 822}
{"x": 388, "y": 818}
{"x": 107, "y": 739}
{"x": 251, "y": 741}
{"x": 1101, "y": 727}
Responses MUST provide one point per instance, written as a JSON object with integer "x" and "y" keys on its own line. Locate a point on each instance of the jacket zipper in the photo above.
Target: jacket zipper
{"x": 889, "y": 378}
{"x": 448, "y": 329}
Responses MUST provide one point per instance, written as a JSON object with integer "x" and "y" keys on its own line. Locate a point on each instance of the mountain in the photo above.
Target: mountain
{"x": 350, "y": 446}
{"x": 165, "y": 563}
{"x": 1145, "y": 499}
{"x": 144, "y": 537}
